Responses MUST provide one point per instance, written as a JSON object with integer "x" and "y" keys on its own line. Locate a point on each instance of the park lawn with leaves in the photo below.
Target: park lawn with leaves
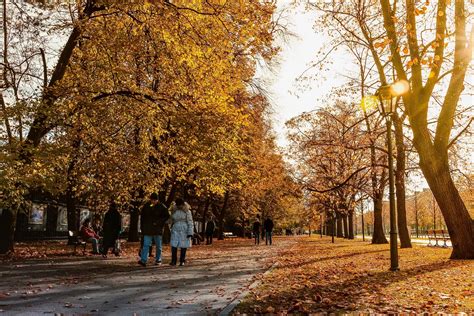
{"x": 317, "y": 276}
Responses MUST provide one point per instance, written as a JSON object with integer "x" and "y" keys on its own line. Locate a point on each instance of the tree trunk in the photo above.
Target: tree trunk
{"x": 345, "y": 226}
{"x": 459, "y": 222}
{"x": 172, "y": 194}
{"x": 378, "y": 236}
{"x": 417, "y": 225}
{"x": 403, "y": 233}
{"x": 378, "y": 187}
{"x": 362, "y": 221}
{"x": 204, "y": 216}
{"x": 73, "y": 217}
{"x": 72, "y": 213}
{"x": 433, "y": 151}
{"x": 351, "y": 224}
{"x": 333, "y": 227}
{"x": 7, "y": 230}
{"x": 222, "y": 216}
{"x": 339, "y": 226}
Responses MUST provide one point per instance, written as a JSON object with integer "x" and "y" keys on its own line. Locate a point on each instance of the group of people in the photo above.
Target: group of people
{"x": 153, "y": 218}
{"x": 267, "y": 229}
{"x": 105, "y": 236}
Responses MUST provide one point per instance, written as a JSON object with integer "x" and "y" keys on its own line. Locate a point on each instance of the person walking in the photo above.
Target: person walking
{"x": 210, "y": 227}
{"x": 256, "y": 230}
{"x": 181, "y": 231}
{"x": 153, "y": 218}
{"x": 111, "y": 229}
{"x": 268, "y": 227}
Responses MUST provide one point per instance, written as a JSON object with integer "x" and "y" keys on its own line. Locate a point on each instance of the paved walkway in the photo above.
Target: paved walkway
{"x": 214, "y": 277}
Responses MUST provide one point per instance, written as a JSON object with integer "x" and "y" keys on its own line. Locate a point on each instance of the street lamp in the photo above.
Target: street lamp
{"x": 387, "y": 95}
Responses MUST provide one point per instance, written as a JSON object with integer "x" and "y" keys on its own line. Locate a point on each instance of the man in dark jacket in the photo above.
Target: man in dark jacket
{"x": 210, "y": 227}
{"x": 152, "y": 221}
{"x": 111, "y": 229}
{"x": 268, "y": 227}
{"x": 256, "y": 230}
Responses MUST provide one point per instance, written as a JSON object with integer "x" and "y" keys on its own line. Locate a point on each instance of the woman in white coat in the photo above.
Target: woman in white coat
{"x": 181, "y": 231}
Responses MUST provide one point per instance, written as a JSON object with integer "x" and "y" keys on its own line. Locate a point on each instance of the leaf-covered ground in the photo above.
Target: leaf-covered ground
{"x": 317, "y": 276}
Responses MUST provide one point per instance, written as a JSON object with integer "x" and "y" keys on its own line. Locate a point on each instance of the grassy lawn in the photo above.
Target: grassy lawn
{"x": 317, "y": 276}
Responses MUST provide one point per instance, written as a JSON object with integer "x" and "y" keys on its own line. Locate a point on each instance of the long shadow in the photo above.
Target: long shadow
{"x": 320, "y": 259}
{"x": 86, "y": 267}
{"x": 144, "y": 287}
{"x": 86, "y": 270}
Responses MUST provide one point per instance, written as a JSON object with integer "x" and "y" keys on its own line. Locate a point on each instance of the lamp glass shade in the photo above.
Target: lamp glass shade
{"x": 386, "y": 100}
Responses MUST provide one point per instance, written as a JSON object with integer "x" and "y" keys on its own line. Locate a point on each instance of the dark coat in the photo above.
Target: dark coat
{"x": 268, "y": 225}
{"x": 112, "y": 226}
{"x": 256, "y": 227}
{"x": 153, "y": 219}
{"x": 210, "y": 227}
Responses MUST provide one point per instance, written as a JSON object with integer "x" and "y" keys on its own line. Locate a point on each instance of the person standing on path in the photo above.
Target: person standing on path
{"x": 111, "y": 229}
{"x": 268, "y": 227}
{"x": 153, "y": 218}
{"x": 210, "y": 227}
{"x": 256, "y": 230}
{"x": 181, "y": 231}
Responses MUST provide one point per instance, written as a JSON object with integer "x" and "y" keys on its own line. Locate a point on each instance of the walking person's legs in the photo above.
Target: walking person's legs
{"x": 182, "y": 257}
{"x": 145, "y": 249}
{"x": 268, "y": 238}
{"x": 174, "y": 255}
{"x": 210, "y": 238}
{"x": 159, "y": 248}
{"x": 141, "y": 246}
{"x": 105, "y": 249}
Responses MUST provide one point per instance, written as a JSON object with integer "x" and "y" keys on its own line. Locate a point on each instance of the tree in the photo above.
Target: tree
{"x": 433, "y": 148}
{"x": 406, "y": 47}
{"x": 121, "y": 118}
{"x": 330, "y": 147}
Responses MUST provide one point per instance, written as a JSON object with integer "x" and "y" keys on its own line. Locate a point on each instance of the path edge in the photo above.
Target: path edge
{"x": 239, "y": 298}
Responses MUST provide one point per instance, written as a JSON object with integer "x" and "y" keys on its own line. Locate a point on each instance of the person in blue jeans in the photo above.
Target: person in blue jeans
{"x": 268, "y": 227}
{"x": 153, "y": 218}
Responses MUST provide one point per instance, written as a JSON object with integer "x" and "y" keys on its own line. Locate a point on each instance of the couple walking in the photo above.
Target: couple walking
{"x": 153, "y": 218}
{"x": 267, "y": 228}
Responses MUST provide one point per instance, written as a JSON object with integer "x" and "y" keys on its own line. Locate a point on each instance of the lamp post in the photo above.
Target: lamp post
{"x": 386, "y": 95}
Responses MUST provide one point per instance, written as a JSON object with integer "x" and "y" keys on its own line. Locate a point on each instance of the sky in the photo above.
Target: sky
{"x": 287, "y": 97}
{"x": 297, "y": 53}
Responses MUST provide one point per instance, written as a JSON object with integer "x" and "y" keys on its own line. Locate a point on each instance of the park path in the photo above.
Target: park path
{"x": 215, "y": 276}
